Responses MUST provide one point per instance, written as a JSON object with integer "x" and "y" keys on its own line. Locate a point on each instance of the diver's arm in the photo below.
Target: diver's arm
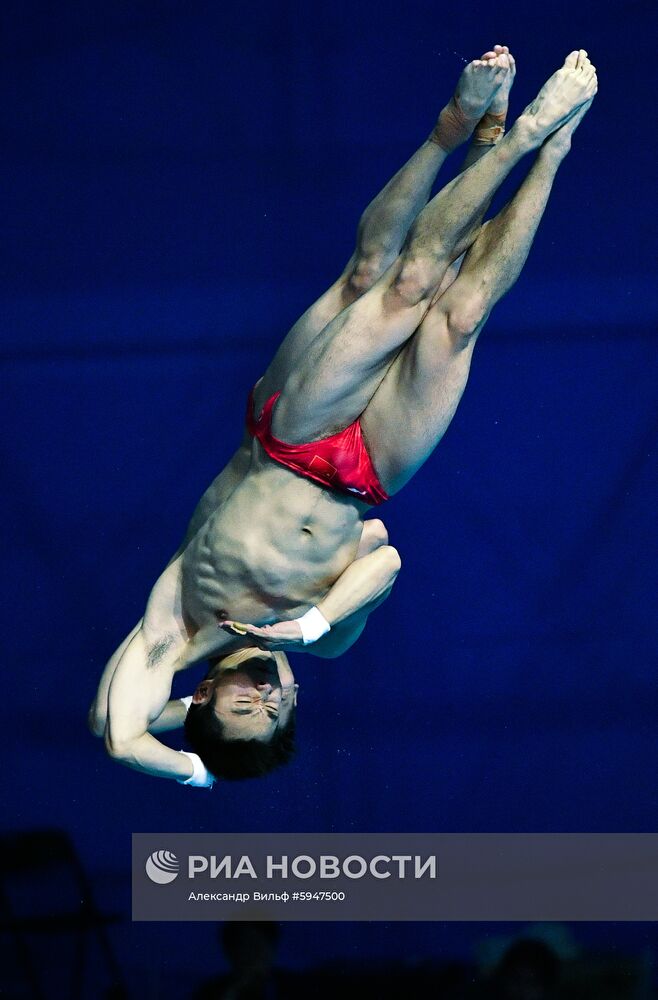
{"x": 361, "y": 586}
{"x": 358, "y": 590}
{"x": 339, "y": 639}
{"x": 171, "y": 717}
{"x": 138, "y": 694}
{"x": 97, "y": 716}
{"x": 148, "y": 755}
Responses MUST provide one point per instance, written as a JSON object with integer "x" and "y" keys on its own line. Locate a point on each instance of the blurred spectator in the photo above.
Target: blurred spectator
{"x": 250, "y": 949}
{"x": 529, "y": 970}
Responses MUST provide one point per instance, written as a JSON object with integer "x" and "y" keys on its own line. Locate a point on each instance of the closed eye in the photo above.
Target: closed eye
{"x": 272, "y": 712}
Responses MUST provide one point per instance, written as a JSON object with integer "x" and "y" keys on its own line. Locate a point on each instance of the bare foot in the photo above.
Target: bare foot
{"x": 559, "y": 142}
{"x": 506, "y": 61}
{"x": 476, "y": 89}
{"x": 491, "y": 126}
{"x": 561, "y": 96}
{"x": 479, "y": 82}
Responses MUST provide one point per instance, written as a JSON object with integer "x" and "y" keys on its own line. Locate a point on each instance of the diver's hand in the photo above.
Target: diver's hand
{"x": 282, "y": 636}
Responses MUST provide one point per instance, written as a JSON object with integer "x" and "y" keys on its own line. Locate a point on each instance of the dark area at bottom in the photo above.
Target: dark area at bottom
{"x": 57, "y": 941}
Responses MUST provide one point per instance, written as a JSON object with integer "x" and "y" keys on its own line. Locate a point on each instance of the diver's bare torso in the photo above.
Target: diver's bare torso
{"x": 274, "y": 547}
{"x": 267, "y": 550}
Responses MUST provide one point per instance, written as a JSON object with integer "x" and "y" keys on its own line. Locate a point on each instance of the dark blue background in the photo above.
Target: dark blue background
{"x": 180, "y": 180}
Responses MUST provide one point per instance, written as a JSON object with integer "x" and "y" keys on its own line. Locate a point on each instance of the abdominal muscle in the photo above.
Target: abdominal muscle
{"x": 274, "y": 547}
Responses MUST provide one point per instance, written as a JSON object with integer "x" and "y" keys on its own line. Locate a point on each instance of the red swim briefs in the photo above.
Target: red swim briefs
{"x": 340, "y": 461}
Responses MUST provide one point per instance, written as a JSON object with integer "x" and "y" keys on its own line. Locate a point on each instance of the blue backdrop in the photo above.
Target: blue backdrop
{"x": 180, "y": 181}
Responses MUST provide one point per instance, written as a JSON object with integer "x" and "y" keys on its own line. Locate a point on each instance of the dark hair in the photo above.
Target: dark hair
{"x": 236, "y": 759}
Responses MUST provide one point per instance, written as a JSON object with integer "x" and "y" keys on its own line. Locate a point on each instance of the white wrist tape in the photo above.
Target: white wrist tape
{"x": 201, "y": 776}
{"x": 313, "y": 625}
{"x": 187, "y": 701}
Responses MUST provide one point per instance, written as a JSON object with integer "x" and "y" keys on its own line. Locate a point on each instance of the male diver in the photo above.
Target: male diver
{"x": 356, "y": 399}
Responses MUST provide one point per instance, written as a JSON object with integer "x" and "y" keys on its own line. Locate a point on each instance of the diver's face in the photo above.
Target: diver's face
{"x": 253, "y": 699}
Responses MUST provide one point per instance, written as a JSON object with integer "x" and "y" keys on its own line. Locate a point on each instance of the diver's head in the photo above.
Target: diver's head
{"x": 241, "y": 721}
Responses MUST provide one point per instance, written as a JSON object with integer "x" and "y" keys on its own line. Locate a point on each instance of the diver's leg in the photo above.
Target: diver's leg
{"x": 491, "y": 126}
{"x": 342, "y": 369}
{"x": 386, "y": 221}
{"x": 488, "y": 132}
{"x": 415, "y": 403}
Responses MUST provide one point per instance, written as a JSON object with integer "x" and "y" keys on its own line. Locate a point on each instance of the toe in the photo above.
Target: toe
{"x": 571, "y": 59}
{"x": 489, "y": 55}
